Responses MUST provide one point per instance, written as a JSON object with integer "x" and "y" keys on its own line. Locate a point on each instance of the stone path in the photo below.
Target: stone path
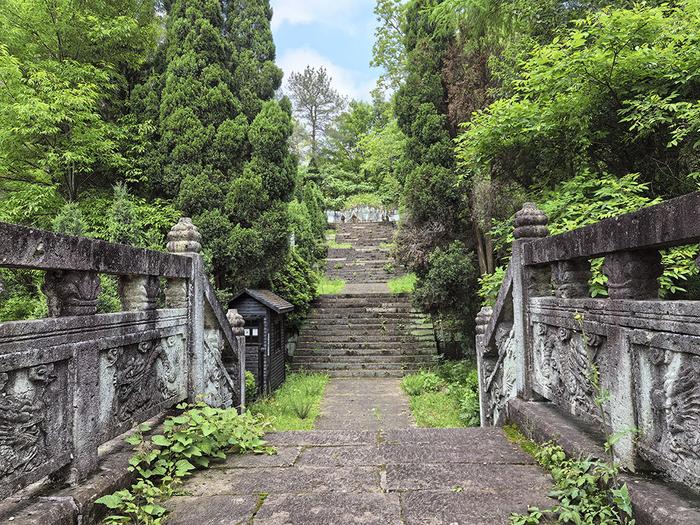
{"x": 362, "y": 469}
{"x": 364, "y": 404}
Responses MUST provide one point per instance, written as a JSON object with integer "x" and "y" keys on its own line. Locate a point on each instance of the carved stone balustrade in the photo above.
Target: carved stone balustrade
{"x": 644, "y": 351}
{"x": 80, "y": 378}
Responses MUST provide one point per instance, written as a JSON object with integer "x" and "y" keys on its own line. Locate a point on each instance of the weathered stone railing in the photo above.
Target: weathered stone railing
{"x": 362, "y": 214}
{"x": 77, "y": 379}
{"x": 546, "y": 337}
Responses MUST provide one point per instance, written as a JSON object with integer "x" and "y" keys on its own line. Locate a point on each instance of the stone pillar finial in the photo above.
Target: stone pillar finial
{"x": 482, "y": 319}
{"x": 184, "y": 238}
{"x": 236, "y": 321}
{"x": 530, "y": 222}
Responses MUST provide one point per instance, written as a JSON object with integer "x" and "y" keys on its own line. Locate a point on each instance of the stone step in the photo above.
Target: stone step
{"x": 356, "y": 366}
{"x": 363, "y": 352}
{"x": 378, "y": 339}
{"x": 370, "y": 312}
{"x": 375, "y": 372}
{"x": 361, "y": 361}
{"x": 418, "y": 343}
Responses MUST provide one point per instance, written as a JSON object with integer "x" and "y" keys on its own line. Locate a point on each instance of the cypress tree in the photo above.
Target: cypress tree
{"x": 248, "y": 29}
{"x": 435, "y": 236}
{"x": 223, "y": 140}
{"x": 257, "y": 199}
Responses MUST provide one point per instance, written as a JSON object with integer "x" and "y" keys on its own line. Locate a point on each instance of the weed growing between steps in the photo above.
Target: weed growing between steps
{"x": 331, "y": 243}
{"x": 192, "y": 440}
{"x": 446, "y": 396}
{"x": 588, "y": 490}
{"x": 404, "y": 284}
{"x": 296, "y": 405}
{"x": 328, "y": 286}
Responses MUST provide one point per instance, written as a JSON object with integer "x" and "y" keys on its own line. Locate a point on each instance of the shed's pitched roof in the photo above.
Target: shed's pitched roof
{"x": 269, "y": 299}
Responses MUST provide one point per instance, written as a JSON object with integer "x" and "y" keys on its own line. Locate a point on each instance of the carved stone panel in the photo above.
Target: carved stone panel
{"x": 35, "y": 423}
{"x": 219, "y": 391}
{"x": 564, "y": 360}
{"x": 668, "y": 410}
{"x": 139, "y": 380}
{"x": 499, "y": 375}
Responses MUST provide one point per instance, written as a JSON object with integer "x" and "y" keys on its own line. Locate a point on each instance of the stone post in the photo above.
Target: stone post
{"x": 570, "y": 278}
{"x": 632, "y": 275}
{"x": 482, "y": 321}
{"x": 185, "y": 239}
{"x": 530, "y": 224}
{"x": 75, "y": 293}
{"x": 139, "y": 292}
{"x": 237, "y": 323}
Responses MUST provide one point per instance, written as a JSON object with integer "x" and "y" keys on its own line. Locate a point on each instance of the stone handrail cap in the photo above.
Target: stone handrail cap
{"x": 483, "y": 318}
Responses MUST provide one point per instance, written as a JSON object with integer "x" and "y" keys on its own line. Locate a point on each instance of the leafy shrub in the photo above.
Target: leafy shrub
{"x": 490, "y": 285}
{"x": 250, "y": 386}
{"x": 588, "y": 491}
{"x": 297, "y": 283}
{"x": 421, "y": 383}
{"x": 446, "y": 396}
{"x": 20, "y": 295}
{"x": 191, "y": 440}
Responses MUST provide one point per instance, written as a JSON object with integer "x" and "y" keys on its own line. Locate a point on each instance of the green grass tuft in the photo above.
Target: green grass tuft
{"x": 514, "y": 435}
{"x": 436, "y": 410}
{"x": 328, "y": 286}
{"x": 404, "y": 284}
{"x": 338, "y": 246}
{"x": 296, "y": 405}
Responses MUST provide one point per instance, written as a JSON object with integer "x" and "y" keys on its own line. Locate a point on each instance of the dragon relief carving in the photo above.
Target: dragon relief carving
{"x": 501, "y": 374}
{"x": 218, "y": 390}
{"x": 675, "y": 407}
{"x": 23, "y": 420}
{"x": 145, "y": 374}
{"x": 563, "y": 366}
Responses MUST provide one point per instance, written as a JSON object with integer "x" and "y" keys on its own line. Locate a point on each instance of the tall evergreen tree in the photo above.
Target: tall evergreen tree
{"x": 435, "y": 231}
{"x": 223, "y": 140}
{"x": 248, "y": 29}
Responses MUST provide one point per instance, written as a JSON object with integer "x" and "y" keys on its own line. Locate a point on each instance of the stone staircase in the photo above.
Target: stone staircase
{"x": 369, "y": 260}
{"x": 366, "y": 331}
{"x": 365, "y": 335}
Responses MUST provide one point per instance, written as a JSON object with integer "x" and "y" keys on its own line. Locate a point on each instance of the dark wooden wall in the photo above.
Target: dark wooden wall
{"x": 251, "y": 309}
{"x": 274, "y": 336}
{"x": 278, "y": 351}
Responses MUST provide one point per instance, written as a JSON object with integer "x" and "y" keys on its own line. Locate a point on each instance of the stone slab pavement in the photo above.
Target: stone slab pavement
{"x": 367, "y": 464}
{"x": 364, "y": 404}
{"x": 365, "y": 288}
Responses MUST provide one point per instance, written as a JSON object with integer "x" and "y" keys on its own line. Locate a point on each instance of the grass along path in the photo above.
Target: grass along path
{"x": 328, "y": 286}
{"x": 404, "y": 284}
{"x": 296, "y": 405}
{"x": 445, "y": 396}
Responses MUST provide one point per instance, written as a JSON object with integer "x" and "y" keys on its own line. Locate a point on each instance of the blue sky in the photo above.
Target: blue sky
{"x": 337, "y": 34}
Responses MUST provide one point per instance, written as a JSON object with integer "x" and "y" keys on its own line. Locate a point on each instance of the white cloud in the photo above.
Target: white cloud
{"x": 331, "y": 12}
{"x": 350, "y": 83}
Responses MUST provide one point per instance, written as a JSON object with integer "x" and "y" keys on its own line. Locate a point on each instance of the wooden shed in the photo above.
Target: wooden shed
{"x": 265, "y": 334}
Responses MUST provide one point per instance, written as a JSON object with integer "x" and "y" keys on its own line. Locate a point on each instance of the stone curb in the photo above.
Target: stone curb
{"x": 655, "y": 502}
